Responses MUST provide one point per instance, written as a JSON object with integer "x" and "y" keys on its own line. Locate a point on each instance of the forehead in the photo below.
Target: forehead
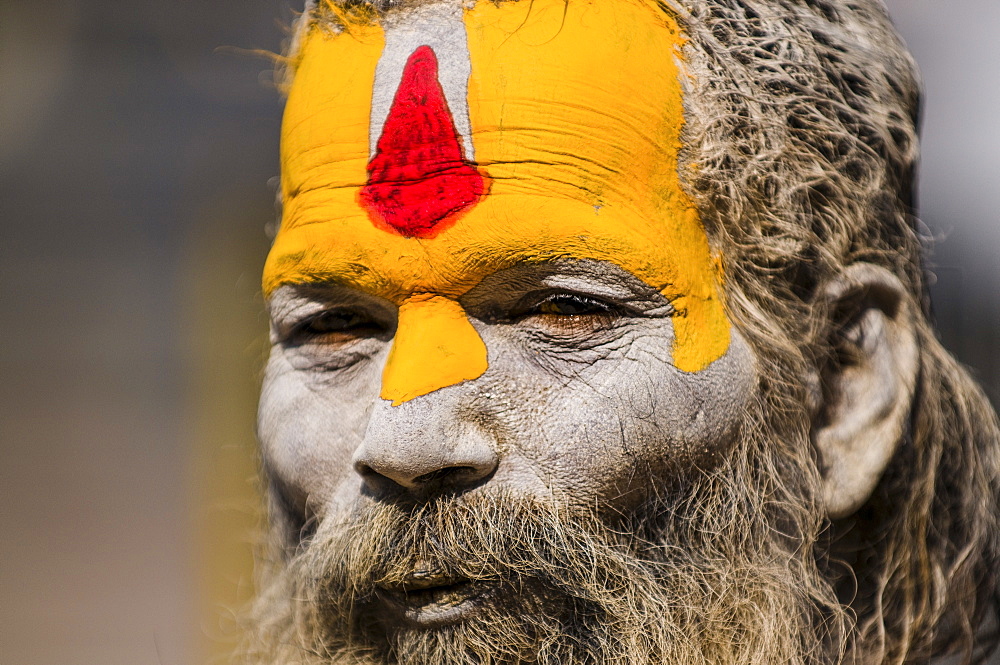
{"x": 444, "y": 143}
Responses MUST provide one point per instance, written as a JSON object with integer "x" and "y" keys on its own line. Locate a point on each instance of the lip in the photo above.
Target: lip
{"x": 428, "y": 600}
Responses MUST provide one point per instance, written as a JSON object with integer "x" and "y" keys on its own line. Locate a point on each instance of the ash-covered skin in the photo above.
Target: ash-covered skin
{"x": 799, "y": 150}
{"x": 585, "y": 406}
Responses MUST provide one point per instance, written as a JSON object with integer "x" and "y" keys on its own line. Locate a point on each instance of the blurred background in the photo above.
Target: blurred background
{"x": 137, "y": 146}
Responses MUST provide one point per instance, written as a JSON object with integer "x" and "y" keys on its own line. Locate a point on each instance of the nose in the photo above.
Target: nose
{"x": 435, "y": 347}
{"x": 411, "y": 446}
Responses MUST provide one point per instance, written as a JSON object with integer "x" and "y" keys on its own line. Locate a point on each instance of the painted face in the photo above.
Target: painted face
{"x": 488, "y": 274}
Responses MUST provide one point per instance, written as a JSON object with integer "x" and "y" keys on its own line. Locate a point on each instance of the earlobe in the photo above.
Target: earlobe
{"x": 868, "y": 384}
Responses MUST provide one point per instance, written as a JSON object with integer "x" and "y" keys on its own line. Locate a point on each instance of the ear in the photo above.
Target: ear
{"x": 868, "y": 384}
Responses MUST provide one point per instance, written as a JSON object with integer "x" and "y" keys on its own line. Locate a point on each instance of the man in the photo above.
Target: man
{"x": 600, "y": 335}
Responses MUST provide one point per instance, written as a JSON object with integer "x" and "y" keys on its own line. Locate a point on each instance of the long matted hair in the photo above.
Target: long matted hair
{"x": 801, "y": 148}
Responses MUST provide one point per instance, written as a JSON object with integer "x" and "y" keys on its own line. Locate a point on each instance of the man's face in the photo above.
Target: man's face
{"x": 489, "y": 290}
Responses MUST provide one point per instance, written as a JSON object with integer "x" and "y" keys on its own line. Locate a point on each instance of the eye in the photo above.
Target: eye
{"x": 562, "y": 314}
{"x": 339, "y": 324}
{"x": 570, "y": 305}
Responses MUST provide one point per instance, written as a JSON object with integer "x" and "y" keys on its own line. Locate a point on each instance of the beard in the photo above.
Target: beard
{"x": 722, "y": 571}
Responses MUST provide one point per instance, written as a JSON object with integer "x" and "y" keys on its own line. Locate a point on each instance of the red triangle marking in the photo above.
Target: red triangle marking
{"x": 419, "y": 182}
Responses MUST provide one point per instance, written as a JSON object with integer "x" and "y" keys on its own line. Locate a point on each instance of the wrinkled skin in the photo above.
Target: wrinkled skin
{"x": 595, "y": 413}
{"x": 580, "y": 400}
{"x": 555, "y": 336}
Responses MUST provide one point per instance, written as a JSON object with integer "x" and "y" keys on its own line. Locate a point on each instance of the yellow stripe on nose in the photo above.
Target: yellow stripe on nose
{"x": 435, "y": 347}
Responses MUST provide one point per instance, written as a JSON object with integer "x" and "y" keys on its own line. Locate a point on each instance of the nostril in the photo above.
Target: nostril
{"x": 364, "y": 470}
{"x": 422, "y": 468}
{"x": 453, "y": 473}
{"x": 375, "y": 480}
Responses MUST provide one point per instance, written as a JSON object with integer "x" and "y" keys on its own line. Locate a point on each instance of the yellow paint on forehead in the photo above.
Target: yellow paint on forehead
{"x": 576, "y": 112}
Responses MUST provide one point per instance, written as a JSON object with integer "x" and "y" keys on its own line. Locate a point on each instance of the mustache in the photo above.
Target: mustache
{"x": 656, "y": 587}
{"x": 568, "y": 583}
{"x": 500, "y": 538}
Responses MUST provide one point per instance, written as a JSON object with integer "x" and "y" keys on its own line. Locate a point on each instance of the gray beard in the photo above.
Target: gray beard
{"x": 707, "y": 577}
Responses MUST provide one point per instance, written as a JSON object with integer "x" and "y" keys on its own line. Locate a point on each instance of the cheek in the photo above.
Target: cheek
{"x": 691, "y": 419}
{"x": 631, "y": 423}
{"x": 308, "y": 432}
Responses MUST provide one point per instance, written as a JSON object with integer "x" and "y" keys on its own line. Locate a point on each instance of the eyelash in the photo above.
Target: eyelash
{"x": 351, "y": 322}
{"x": 561, "y": 310}
{"x": 577, "y": 306}
{"x": 562, "y": 317}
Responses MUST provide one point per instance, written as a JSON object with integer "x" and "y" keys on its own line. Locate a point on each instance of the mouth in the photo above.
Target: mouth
{"x": 429, "y": 599}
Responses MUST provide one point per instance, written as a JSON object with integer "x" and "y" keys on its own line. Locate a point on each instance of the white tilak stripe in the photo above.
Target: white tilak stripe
{"x": 440, "y": 26}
